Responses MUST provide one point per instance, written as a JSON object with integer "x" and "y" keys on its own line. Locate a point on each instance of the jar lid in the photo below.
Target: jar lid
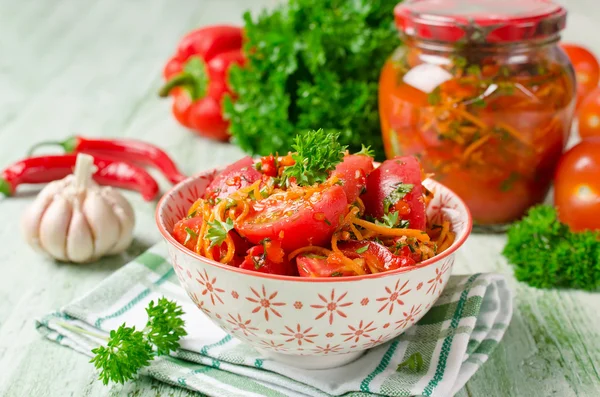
{"x": 491, "y": 21}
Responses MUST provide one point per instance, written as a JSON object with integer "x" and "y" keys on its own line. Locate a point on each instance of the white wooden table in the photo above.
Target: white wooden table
{"x": 94, "y": 67}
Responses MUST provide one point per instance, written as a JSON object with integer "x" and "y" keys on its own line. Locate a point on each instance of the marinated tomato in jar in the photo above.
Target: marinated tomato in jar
{"x": 488, "y": 115}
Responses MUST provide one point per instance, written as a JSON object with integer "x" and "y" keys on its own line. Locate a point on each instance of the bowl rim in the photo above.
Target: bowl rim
{"x": 171, "y": 240}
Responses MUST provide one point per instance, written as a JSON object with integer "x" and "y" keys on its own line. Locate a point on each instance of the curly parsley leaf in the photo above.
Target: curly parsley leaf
{"x": 401, "y": 190}
{"x": 545, "y": 253}
{"x": 392, "y": 220}
{"x": 298, "y": 77}
{"x": 317, "y": 153}
{"x": 128, "y": 350}
{"x": 217, "y": 231}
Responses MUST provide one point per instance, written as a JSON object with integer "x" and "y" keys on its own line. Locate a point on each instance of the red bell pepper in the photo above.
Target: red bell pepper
{"x": 196, "y": 77}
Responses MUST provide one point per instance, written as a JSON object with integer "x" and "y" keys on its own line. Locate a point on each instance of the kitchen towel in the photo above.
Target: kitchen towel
{"x": 435, "y": 357}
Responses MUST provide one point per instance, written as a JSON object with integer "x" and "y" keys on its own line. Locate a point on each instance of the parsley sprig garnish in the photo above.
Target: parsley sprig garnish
{"x": 128, "y": 350}
{"x": 401, "y": 190}
{"x": 217, "y": 231}
{"x": 316, "y": 154}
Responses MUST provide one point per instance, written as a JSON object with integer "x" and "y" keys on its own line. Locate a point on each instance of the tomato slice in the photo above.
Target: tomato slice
{"x": 257, "y": 261}
{"x": 236, "y": 176}
{"x": 391, "y": 180}
{"x": 376, "y": 254}
{"x": 353, "y": 171}
{"x": 186, "y": 231}
{"x": 295, "y": 222}
{"x": 311, "y": 265}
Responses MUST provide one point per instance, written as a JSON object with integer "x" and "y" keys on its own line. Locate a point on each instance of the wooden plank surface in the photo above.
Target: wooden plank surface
{"x": 94, "y": 67}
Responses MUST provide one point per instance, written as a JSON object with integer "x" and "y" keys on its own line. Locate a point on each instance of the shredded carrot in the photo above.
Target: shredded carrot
{"x": 194, "y": 207}
{"x": 345, "y": 260}
{"x": 474, "y": 146}
{"x": 312, "y": 249}
{"x": 514, "y": 133}
{"x": 358, "y": 234}
{"x": 443, "y": 232}
{"x": 230, "y": 250}
{"x": 386, "y": 231}
{"x": 466, "y": 115}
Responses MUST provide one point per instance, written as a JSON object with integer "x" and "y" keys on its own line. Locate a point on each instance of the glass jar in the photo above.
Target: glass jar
{"x": 483, "y": 95}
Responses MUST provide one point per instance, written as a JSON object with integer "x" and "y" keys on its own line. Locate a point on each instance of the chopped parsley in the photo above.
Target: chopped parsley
{"x": 392, "y": 220}
{"x": 217, "y": 231}
{"x": 337, "y": 274}
{"x": 193, "y": 214}
{"x": 190, "y": 234}
{"x": 401, "y": 190}
{"x": 362, "y": 250}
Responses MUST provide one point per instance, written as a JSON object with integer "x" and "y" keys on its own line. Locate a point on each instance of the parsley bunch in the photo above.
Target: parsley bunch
{"x": 317, "y": 153}
{"x": 128, "y": 350}
{"x": 311, "y": 64}
{"x": 545, "y": 253}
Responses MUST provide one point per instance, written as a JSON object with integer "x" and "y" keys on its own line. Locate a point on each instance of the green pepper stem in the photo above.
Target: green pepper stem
{"x": 69, "y": 145}
{"x": 5, "y": 187}
{"x": 180, "y": 80}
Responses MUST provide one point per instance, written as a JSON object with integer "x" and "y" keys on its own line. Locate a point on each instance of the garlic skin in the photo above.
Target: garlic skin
{"x": 76, "y": 220}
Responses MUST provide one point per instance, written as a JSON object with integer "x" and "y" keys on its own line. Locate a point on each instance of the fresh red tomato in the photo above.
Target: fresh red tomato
{"x": 589, "y": 115}
{"x": 238, "y": 175}
{"x": 311, "y": 265}
{"x": 295, "y": 222}
{"x": 353, "y": 171}
{"x": 390, "y": 183}
{"x": 258, "y": 261}
{"x": 587, "y": 70}
{"x": 186, "y": 231}
{"x": 268, "y": 166}
{"x": 577, "y": 186}
{"x": 376, "y": 254}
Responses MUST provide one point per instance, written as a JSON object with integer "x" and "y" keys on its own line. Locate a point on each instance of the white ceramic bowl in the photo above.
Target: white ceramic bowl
{"x": 294, "y": 319}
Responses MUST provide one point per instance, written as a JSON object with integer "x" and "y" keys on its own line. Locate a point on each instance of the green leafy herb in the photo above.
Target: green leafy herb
{"x": 391, "y": 220}
{"x": 434, "y": 97}
{"x": 128, "y": 350}
{"x": 401, "y": 190}
{"x": 479, "y": 102}
{"x": 193, "y": 214}
{"x": 545, "y": 253}
{"x": 217, "y": 231}
{"x": 311, "y": 63}
{"x": 317, "y": 153}
{"x": 474, "y": 70}
{"x": 337, "y": 274}
{"x": 189, "y": 235}
{"x": 366, "y": 151}
{"x": 507, "y": 184}
{"x": 362, "y": 250}
{"x": 414, "y": 363}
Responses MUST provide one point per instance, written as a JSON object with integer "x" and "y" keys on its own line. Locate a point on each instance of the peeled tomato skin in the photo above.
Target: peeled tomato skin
{"x": 353, "y": 171}
{"x": 301, "y": 228}
{"x": 383, "y": 181}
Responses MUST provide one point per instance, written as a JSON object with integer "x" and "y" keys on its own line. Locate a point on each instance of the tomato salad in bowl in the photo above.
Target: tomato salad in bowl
{"x": 317, "y": 212}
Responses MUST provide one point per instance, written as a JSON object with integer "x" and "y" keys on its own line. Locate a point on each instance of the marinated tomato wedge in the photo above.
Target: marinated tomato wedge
{"x": 375, "y": 255}
{"x": 186, "y": 231}
{"x": 312, "y": 265}
{"x": 395, "y": 186}
{"x": 353, "y": 171}
{"x": 236, "y": 176}
{"x": 295, "y": 219}
{"x": 268, "y": 258}
{"x": 372, "y": 255}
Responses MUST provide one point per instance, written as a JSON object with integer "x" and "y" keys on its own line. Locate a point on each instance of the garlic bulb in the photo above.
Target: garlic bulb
{"x": 75, "y": 220}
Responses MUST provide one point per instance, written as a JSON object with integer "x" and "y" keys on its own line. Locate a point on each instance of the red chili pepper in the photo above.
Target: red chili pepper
{"x": 46, "y": 169}
{"x": 121, "y": 149}
{"x": 197, "y": 78}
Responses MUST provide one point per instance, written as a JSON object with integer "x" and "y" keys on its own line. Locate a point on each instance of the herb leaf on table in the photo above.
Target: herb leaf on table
{"x": 128, "y": 350}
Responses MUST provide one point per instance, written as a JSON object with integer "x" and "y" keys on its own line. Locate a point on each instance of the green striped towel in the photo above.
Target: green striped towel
{"x": 434, "y": 358}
